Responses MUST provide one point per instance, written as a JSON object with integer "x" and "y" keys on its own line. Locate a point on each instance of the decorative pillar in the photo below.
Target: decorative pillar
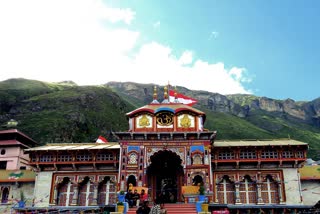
{"x": 54, "y": 200}
{"x": 75, "y": 194}
{"x": 107, "y": 192}
{"x": 216, "y": 192}
{"x": 280, "y": 191}
{"x": 237, "y": 193}
{"x": 95, "y": 193}
{"x": 260, "y": 200}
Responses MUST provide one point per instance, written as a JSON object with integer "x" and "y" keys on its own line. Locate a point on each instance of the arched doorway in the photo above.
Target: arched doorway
{"x": 165, "y": 176}
{"x": 5, "y": 195}
{"x": 131, "y": 180}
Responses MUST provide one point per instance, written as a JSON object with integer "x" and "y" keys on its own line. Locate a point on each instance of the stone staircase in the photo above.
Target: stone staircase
{"x": 173, "y": 209}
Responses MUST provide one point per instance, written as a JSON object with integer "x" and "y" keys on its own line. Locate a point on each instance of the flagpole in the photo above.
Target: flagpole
{"x": 168, "y": 91}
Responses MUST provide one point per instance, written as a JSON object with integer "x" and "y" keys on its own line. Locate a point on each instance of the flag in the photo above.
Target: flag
{"x": 101, "y": 140}
{"x": 181, "y": 99}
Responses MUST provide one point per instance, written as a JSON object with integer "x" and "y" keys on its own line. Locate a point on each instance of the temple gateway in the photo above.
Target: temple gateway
{"x": 168, "y": 151}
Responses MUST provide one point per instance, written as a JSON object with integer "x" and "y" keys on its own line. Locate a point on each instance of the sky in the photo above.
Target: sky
{"x": 266, "y": 48}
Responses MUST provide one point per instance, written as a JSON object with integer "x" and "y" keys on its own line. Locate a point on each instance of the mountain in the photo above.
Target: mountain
{"x": 65, "y": 112}
{"x": 242, "y": 116}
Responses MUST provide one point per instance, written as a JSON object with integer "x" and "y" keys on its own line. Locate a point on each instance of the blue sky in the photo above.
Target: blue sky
{"x": 267, "y": 48}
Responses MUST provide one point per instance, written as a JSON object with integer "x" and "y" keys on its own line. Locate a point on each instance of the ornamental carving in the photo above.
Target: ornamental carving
{"x": 179, "y": 151}
{"x": 253, "y": 177}
{"x": 185, "y": 121}
{"x": 164, "y": 118}
{"x": 144, "y": 121}
{"x": 81, "y": 178}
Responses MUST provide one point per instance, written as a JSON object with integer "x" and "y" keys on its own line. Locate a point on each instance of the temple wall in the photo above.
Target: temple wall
{"x": 43, "y": 189}
{"x": 310, "y": 192}
{"x": 291, "y": 185}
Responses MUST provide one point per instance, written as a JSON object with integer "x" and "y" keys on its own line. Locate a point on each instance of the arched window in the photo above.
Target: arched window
{"x": 106, "y": 192}
{"x": 197, "y": 159}
{"x": 85, "y": 192}
{"x": 248, "y": 191}
{"x": 269, "y": 190}
{"x": 132, "y": 158}
{"x": 197, "y": 180}
{"x": 225, "y": 191}
{"x": 65, "y": 192}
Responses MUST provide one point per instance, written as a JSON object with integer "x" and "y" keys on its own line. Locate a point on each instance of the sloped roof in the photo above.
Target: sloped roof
{"x": 241, "y": 143}
{"x": 172, "y": 107}
{"x": 75, "y": 146}
{"x": 17, "y": 175}
{"x": 16, "y": 137}
{"x": 310, "y": 172}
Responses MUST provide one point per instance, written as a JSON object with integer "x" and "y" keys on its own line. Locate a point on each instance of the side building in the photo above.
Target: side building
{"x": 16, "y": 177}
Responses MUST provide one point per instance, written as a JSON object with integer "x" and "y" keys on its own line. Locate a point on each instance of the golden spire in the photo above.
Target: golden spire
{"x": 155, "y": 95}
{"x": 165, "y": 92}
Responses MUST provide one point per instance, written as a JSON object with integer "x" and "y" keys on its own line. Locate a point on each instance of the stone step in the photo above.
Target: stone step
{"x": 173, "y": 209}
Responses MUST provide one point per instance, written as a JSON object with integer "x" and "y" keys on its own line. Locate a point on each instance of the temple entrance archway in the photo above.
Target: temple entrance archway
{"x": 165, "y": 176}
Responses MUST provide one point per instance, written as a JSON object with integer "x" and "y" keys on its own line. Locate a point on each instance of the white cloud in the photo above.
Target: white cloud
{"x": 66, "y": 40}
{"x": 186, "y": 58}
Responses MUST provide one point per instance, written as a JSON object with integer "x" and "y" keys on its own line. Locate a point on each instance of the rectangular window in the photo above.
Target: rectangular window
{"x": 300, "y": 154}
{"x": 269, "y": 154}
{"x": 103, "y": 157}
{"x": 3, "y": 164}
{"x": 247, "y": 154}
{"x": 84, "y": 157}
{"x": 64, "y": 158}
{"x": 46, "y": 158}
{"x": 33, "y": 158}
{"x": 287, "y": 154}
{"x": 226, "y": 155}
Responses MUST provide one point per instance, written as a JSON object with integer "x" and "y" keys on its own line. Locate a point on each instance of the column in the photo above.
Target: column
{"x": 216, "y": 193}
{"x": 237, "y": 189}
{"x": 95, "y": 193}
{"x": 280, "y": 192}
{"x": 75, "y": 194}
{"x": 55, "y": 193}
{"x": 260, "y": 200}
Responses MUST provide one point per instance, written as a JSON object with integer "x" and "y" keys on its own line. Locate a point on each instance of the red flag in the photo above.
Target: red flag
{"x": 181, "y": 99}
{"x": 101, "y": 140}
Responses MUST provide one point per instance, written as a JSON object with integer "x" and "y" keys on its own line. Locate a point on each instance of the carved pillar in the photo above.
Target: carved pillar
{"x": 216, "y": 193}
{"x": 54, "y": 200}
{"x": 237, "y": 193}
{"x": 75, "y": 194}
{"x": 280, "y": 191}
{"x": 260, "y": 200}
{"x": 107, "y": 192}
{"x": 95, "y": 193}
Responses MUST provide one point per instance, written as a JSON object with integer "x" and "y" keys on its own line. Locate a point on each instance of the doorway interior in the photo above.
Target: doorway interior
{"x": 165, "y": 176}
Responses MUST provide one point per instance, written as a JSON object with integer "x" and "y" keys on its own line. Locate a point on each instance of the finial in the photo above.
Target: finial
{"x": 165, "y": 92}
{"x": 165, "y": 95}
{"x": 155, "y": 95}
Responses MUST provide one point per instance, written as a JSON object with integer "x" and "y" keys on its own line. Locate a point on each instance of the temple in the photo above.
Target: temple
{"x": 168, "y": 151}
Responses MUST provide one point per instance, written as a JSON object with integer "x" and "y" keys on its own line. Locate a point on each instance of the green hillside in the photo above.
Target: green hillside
{"x": 65, "y": 112}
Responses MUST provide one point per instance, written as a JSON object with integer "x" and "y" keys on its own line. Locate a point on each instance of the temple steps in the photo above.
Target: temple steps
{"x": 173, "y": 209}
